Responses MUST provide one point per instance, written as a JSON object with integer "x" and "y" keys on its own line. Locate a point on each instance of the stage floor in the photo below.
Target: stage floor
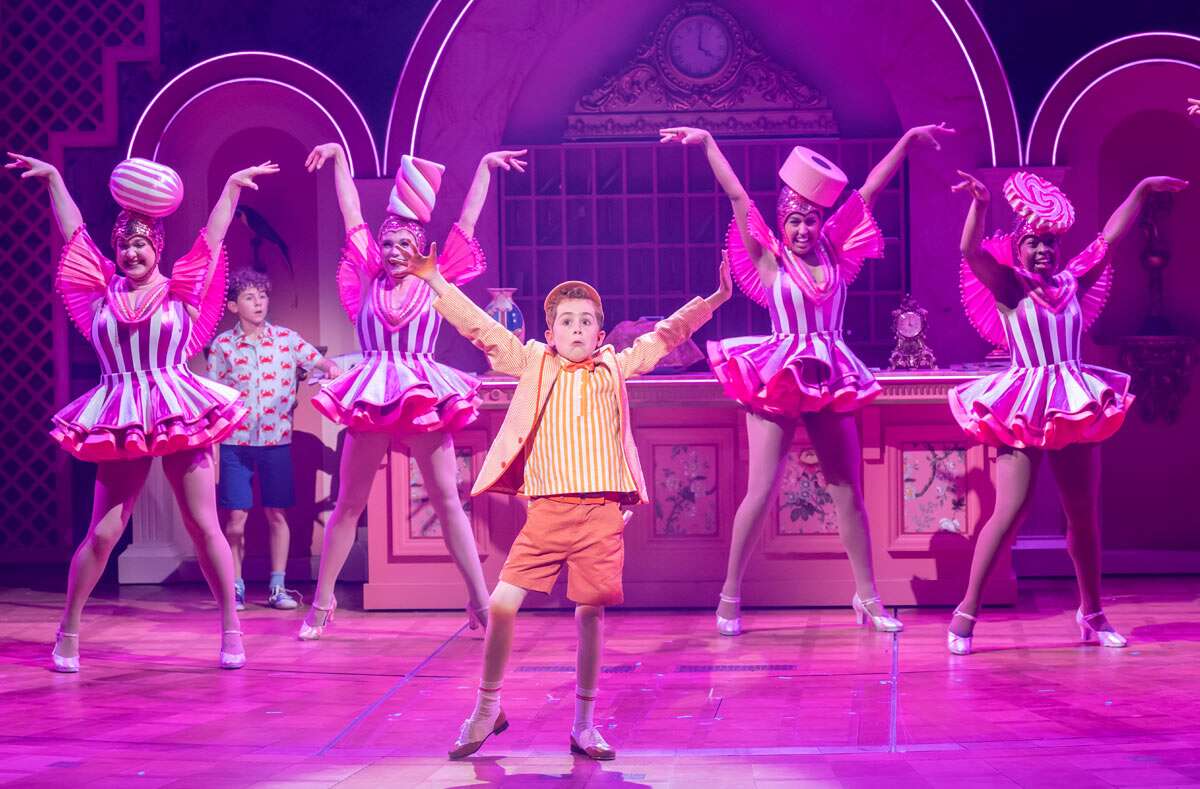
{"x": 803, "y": 698}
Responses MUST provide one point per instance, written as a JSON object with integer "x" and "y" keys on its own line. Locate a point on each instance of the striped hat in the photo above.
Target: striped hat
{"x": 148, "y": 188}
{"x": 415, "y": 192}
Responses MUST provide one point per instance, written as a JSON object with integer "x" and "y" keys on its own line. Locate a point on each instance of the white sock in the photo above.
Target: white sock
{"x": 487, "y": 702}
{"x": 585, "y": 707}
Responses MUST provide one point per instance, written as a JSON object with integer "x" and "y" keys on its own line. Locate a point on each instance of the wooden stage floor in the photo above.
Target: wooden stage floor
{"x": 803, "y": 698}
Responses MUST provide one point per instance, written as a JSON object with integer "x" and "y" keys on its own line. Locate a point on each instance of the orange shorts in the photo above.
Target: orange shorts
{"x": 585, "y": 532}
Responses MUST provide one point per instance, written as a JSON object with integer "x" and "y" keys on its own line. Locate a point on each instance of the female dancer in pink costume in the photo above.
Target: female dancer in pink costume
{"x": 1047, "y": 403}
{"x": 804, "y": 371}
{"x": 144, "y": 326}
{"x": 399, "y": 392}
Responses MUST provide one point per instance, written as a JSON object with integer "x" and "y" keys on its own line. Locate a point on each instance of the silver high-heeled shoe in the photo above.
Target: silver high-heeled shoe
{"x": 232, "y": 660}
{"x": 313, "y": 631}
{"x": 64, "y": 665}
{"x": 959, "y": 645}
{"x": 730, "y": 627}
{"x": 1106, "y": 638}
{"x": 882, "y": 622}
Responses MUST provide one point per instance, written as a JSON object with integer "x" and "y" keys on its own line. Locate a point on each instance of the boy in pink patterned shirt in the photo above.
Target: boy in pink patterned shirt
{"x": 261, "y": 361}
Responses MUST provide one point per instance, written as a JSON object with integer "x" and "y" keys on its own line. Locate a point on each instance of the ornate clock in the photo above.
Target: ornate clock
{"x": 698, "y": 46}
{"x": 701, "y": 67}
{"x": 909, "y": 324}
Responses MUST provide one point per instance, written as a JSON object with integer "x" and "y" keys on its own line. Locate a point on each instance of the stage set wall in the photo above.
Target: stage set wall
{"x": 463, "y": 89}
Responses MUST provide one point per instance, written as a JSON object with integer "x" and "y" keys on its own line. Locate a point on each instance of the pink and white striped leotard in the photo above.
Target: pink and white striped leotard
{"x": 1047, "y": 398}
{"x": 148, "y": 402}
{"x": 399, "y": 387}
{"x": 804, "y": 365}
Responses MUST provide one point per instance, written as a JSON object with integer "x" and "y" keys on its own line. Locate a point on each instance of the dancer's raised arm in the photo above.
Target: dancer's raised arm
{"x": 343, "y": 181}
{"x": 885, "y": 170}
{"x": 1127, "y": 212}
{"x": 478, "y": 191}
{"x": 985, "y": 267}
{"x": 222, "y": 212}
{"x": 729, "y": 182}
{"x": 66, "y": 213}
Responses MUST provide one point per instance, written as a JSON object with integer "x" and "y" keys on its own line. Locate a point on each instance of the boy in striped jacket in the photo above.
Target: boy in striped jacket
{"x": 566, "y": 445}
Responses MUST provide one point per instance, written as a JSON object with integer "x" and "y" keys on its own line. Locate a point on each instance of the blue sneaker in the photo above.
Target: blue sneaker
{"x": 282, "y": 599}
{"x": 239, "y": 597}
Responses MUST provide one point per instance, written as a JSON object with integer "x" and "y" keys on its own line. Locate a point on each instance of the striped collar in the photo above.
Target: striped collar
{"x": 1053, "y": 293}
{"x": 801, "y": 273}
{"x": 132, "y": 306}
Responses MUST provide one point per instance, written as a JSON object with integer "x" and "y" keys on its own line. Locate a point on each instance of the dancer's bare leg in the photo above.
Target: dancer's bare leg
{"x": 835, "y": 438}
{"x": 768, "y": 444}
{"x": 362, "y": 455}
{"x": 434, "y": 454}
{"x": 118, "y": 484}
{"x": 1077, "y": 471}
{"x": 1016, "y": 470}
{"x": 192, "y": 475}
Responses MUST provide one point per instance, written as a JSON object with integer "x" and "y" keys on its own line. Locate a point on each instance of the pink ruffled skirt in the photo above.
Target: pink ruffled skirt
{"x": 147, "y": 413}
{"x": 786, "y": 375}
{"x": 1046, "y": 407}
{"x": 400, "y": 393}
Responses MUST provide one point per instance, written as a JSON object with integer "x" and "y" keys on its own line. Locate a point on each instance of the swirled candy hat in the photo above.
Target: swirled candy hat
{"x": 1040, "y": 206}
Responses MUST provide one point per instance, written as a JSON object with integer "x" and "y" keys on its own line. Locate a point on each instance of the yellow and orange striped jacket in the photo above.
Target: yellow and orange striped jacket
{"x": 537, "y": 369}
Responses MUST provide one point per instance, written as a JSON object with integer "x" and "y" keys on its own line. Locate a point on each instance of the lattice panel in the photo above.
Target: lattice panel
{"x": 645, "y": 222}
{"x": 52, "y": 52}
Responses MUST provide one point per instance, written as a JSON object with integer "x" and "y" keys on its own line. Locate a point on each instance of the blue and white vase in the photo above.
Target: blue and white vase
{"x": 502, "y": 310}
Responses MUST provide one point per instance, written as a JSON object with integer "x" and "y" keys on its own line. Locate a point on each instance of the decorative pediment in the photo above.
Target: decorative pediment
{"x": 701, "y": 67}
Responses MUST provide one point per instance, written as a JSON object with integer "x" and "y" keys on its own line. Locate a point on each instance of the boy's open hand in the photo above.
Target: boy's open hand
{"x": 724, "y": 284}
{"x": 424, "y": 266}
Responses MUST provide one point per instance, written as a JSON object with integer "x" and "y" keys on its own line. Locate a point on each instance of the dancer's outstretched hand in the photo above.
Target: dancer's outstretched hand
{"x": 930, "y": 135}
{"x": 245, "y": 178}
{"x": 34, "y": 168}
{"x": 1193, "y": 107}
{"x": 1164, "y": 183}
{"x": 687, "y": 135}
{"x": 423, "y": 266}
{"x": 321, "y": 154}
{"x": 972, "y": 186}
{"x": 724, "y": 284}
{"x": 506, "y": 160}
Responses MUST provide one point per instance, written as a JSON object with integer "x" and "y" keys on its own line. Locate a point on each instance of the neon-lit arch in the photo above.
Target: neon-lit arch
{"x": 1103, "y": 62}
{"x": 268, "y": 68}
{"x": 995, "y": 97}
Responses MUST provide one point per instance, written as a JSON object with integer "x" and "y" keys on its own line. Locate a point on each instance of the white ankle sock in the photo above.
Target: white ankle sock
{"x": 585, "y": 707}
{"x": 487, "y": 702}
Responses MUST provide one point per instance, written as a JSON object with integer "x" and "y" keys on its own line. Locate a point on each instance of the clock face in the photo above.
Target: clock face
{"x": 698, "y": 46}
{"x": 909, "y": 325}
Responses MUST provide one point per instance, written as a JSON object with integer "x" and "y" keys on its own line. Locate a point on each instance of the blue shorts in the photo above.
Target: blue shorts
{"x": 240, "y": 465}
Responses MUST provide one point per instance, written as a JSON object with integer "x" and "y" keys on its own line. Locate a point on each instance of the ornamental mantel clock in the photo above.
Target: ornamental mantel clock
{"x": 909, "y": 324}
